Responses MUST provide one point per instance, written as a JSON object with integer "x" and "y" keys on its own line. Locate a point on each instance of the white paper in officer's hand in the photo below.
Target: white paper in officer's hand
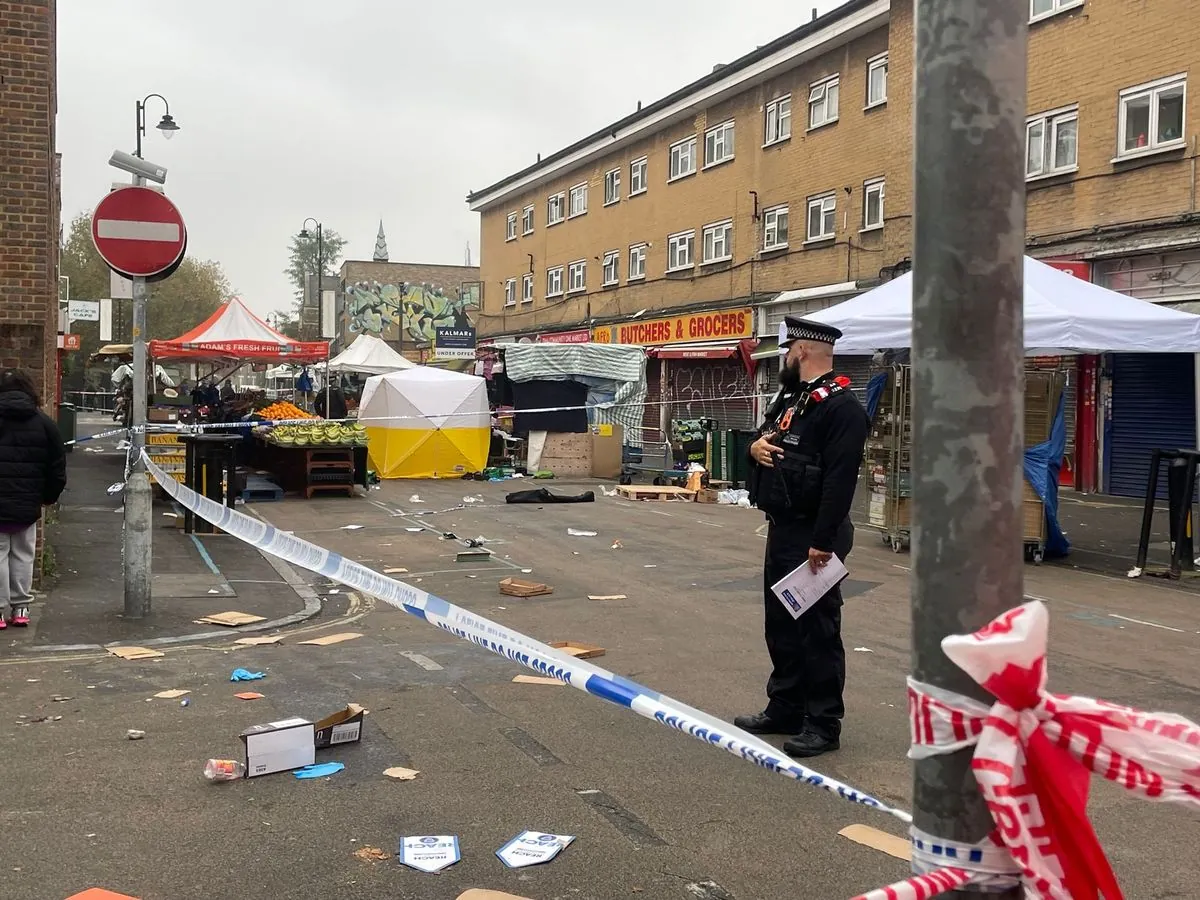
{"x": 804, "y": 586}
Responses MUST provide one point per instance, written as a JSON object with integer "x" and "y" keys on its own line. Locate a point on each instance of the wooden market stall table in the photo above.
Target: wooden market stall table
{"x": 311, "y": 468}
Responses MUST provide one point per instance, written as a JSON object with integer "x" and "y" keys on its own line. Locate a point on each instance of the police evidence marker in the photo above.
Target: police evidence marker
{"x": 138, "y": 232}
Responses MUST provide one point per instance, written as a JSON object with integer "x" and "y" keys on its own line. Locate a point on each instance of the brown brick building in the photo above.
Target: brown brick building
{"x": 782, "y": 182}
{"x": 29, "y": 192}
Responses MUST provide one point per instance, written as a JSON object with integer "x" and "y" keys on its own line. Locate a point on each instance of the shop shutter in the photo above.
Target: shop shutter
{"x": 1153, "y": 408}
{"x": 858, "y": 370}
{"x": 653, "y": 443}
{"x": 712, "y": 389}
{"x": 1071, "y": 400}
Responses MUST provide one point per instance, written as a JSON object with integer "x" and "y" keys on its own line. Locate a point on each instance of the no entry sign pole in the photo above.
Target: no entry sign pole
{"x": 139, "y": 501}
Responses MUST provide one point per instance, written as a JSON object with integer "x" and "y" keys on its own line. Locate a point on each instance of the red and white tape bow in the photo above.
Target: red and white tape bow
{"x": 1035, "y": 752}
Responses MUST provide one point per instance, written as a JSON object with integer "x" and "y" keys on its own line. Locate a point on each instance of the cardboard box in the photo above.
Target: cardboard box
{"x": 342, "y": 727}
{"x": 279, "y": 746}
{"x": 156, "y": 414}
{"x": 519, "y": 587}
{"x": 607, "y": 445}
{"x": 706, "y": 495}
{"x": 577, "y": 649}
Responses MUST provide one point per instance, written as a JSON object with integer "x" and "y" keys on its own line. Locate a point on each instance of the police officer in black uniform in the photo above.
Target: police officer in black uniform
{"x": 805, "y": 467}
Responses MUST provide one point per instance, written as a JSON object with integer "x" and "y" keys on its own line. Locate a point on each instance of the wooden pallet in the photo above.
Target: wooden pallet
{"x": 654, "y": 492}
{"x": 518, "y": 587}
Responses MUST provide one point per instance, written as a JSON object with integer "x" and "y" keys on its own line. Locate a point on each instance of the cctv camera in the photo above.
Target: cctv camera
{"x": 134, "y": 165}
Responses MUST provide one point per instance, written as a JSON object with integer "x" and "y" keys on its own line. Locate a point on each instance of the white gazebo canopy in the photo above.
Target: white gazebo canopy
{"x": 370, "y": 356}
{"x": 1062, "y": 314}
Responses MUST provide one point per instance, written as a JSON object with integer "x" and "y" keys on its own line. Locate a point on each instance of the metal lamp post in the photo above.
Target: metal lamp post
{"x": 320, "y": 267}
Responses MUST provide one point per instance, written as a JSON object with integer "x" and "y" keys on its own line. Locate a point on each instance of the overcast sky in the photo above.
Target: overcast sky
{"x": 352, "y": 111}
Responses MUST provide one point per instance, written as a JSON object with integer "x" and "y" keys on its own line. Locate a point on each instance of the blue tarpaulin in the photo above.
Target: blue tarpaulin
{"x": 1042, "y": 462}
{"x": 874, "y": 391}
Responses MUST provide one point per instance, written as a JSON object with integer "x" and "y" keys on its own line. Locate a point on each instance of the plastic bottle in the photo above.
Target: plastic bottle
{"x": 224, "y": 770}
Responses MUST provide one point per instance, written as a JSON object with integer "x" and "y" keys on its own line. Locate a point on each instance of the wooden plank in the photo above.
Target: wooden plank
{"x": 654, "y": 492}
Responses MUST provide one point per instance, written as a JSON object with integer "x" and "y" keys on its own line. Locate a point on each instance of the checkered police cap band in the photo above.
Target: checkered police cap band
{"x": 806, "y": 333}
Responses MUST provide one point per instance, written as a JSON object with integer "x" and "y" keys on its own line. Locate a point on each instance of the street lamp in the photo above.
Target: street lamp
{"x": 166, "y": 124}
{"x": 320, "y": 270}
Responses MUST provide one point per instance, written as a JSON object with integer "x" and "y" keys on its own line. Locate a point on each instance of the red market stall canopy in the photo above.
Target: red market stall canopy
{"x": 233, "y": 332}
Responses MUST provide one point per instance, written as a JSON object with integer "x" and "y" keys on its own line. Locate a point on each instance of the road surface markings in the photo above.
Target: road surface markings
{"x": 1144, "y": 622}
{"x": 530, "y": 746}
{"x": 638, "y": 832}
{"x": 421, "y": 660}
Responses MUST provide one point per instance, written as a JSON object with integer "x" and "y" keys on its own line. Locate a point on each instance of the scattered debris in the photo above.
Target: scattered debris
{"x": 259, "y": 641}
{"x": 414, "y": 530}
{"x": 607, "y": 492}
{"x": 341, "y": 727}
{"x": 428, "y": 852}
{"x": 59, "y": 698}
{"x": 575, "y": 532}
{"x": 415, "y": 498}
{"x": 135, "y": 652}
{"x": 607, "y": 597}
{"x": 279, "y": 746}
{"x": 537, "y": 679}
{"x": 518, "y": 587}
{"x": 475, "y": 555}
{"x": 484, "y": 894}
{"x": 863, "y": 650}
{"x": 1135, "y": 572}
{"x": 231, "y": 619}
{"x": 171, "y": 515}
{"x": 526, "y": 571}
{"x": 249, "y": 695}
{"x": 578, "y": 650}
{"x": 899, "y": 847}
{"x": 617, "y": 545}
{"x": 654, "y": 492}
{"x": 116, "y": 488}
{"x": 531, "y": 848}
{"x": 449, "y": 536}
{"x": 395, "y": 571}
{"x": 214, "y": 591}
{"x": 400, "y": 773}
{"x": 472, "y": 499}
{"x": 351, "y": 527}
{"x": 650, "y": 566}
{"x": 171, "y": 695}
{"x": 246, "y": 675}
{"x": 319, "y": 770}
{"x": 333, "y": 638}
{"x": 135, "y": 734}
{"x": 372, "y": 854}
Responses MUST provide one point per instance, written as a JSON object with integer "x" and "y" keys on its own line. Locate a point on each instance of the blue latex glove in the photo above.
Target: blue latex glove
{"x": 245, "y": 675}
{"x": 319, "y": 770}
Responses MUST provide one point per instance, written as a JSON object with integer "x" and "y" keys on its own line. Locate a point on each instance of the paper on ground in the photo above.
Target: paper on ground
{"x": 135, "y": 652}
{"x": 256, "y": 641}
{"x": 400, "y": 773}
{"x": 804, "y": 586}
{"x": 351, "y": 527}
{"x": 537, "y": 679}
{"x": 333, "y": 638}
{"x": 249, "y": 695}
{"x": 607, "y": 597}
{"x": 232, "y": 619}
{"x": 170, "y": 695}
{"x": 485, "y": 894}
{"x": 899, "y": 847}
{"x": 395, "y": 571}
{"x": 575, "y": 532}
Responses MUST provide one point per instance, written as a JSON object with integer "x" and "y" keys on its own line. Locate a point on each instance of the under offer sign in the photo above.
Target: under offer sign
{"x": 139, "y": 232}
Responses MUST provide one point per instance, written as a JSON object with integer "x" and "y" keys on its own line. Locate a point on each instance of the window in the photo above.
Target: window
{"x": 683, "y": 158}
{"x": 775, "y": 228}
{"x": 637, "y": 262}
{"x": 554, "y": 209}
{"x": 877, "y": 68}
{"x": 823, "y": 102}
{"x": 1041, "y": 9}
{"x": 527, "y": 288}
{"x": 577, "y": 277}
{"x": 718, "y": 243}
{"x": 1152, "y": 116}
{"x": 821, "y": 217}
{"x": 527, "y": 220}
{"x": 510, "y": 227}
{"x": 872, "y": 204}
{"x": 554, "y": 284}
{"x": 612, "y": 186}
{"x": 612, "y": 267}
{"x": 778, "y": 120}
{"x": 1051, "y": 143}
{"x": 577, "y": 203}
{"x": 718, "y": 144}
{"x": 681, "y": 251}
{"x": 510, "y": 292}
{"x": 637, "y": 176}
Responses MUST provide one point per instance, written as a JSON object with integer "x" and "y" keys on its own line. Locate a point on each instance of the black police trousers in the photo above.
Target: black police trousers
{"x": 808, "y": 673}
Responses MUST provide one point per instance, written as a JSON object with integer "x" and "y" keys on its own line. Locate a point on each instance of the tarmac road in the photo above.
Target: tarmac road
{"x": 655, "y": 814}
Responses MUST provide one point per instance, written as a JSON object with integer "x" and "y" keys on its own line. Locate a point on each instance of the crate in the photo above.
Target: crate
{"x": 654, "y": 492}
{"x": 261, "y": 490}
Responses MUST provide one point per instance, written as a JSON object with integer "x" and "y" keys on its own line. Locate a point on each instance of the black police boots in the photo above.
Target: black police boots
{"x": 761, "y": 723}
{"x": 810, "y": 743}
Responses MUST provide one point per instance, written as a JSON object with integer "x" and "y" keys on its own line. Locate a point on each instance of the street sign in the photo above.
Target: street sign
{"x": 139, "y": 232}
{"x": 83, "y": 311}
{"x": 69, "y": 342}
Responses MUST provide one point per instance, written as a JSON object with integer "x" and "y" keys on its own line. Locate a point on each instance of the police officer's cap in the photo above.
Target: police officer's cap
{"x": 807, "y": 330}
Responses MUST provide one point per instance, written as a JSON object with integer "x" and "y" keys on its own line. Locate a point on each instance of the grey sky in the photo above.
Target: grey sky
{"x": 356, "y": 110}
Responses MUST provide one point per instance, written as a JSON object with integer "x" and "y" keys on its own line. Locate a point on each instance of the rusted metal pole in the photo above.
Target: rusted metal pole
{"x": 967, "y": 360}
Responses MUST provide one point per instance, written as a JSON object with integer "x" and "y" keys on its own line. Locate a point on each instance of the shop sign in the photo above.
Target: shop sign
{"x": 1078, "y": 268}
{"x": 729, "y": 324}
{"x": 454, "y": 343}
{"x": 580, "y": 336}
{"x": 69, "y": 342}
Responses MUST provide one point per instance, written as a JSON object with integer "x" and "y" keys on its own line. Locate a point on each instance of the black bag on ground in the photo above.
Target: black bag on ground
{"x": 544, "y": 495}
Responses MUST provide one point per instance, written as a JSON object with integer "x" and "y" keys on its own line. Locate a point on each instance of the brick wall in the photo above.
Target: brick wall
{"x": 29, "y": 202}
{"x": 449, "y": 278}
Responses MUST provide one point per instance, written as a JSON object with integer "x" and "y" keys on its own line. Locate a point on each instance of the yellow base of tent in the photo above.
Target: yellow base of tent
{"x": 437, "y": 453}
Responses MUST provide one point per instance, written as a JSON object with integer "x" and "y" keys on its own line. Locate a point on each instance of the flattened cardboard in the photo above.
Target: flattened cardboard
{"x": 579, "y": 650}
{"x": 537, "y": 679}
{"x": 231, "y": 619}
{"x": 482, "y": 894}
{"x": 259, "y": 641}
{"x": 899, "y": 847}
{"x": 401, "y": 774}
{"x": 135, "y": 652}
{"x": 333, "y": 638}
{"x": 341, "y": 727}
{"x": 249, "y": 695}
{"x": 395, "y": 570}
{"x": 607, "y": 597}
{"x": 171, "y": 695}
{"x": 519, "y": 587}
{"x": 279, "y": 746}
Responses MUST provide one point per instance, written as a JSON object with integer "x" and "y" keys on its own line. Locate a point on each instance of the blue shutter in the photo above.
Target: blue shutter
{"x": 1153, "y": 408}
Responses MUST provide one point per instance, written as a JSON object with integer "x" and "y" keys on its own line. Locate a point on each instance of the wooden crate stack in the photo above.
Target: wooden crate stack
{"x": 1043, "y": 390}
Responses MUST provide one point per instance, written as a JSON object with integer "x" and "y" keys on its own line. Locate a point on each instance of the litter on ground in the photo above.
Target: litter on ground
{"x": 249, "y": 695}
{"x": 135, "y": 652}
{"x": 333, "y": 638}
{"x": 400, "y": 773}
{"x": 240, "y": 674}
{"x": 171, "y": 695}
{"x": 319, "y": 770}
{"x": 258, "y": 641}
{"x": 351, "y": 527}
{"x": 231, "y": 619}
{"x": 575, "y": 532}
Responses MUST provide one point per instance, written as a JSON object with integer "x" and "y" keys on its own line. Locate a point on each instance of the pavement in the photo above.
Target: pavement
{"x": 655, "y": 814}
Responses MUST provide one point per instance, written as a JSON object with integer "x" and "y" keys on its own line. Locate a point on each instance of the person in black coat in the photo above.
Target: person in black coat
{"x": 804, "y": 470}
{"x": 33, "y": 473}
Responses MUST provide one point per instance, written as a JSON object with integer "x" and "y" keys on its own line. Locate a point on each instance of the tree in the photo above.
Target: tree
{"x": 302, "y": 257}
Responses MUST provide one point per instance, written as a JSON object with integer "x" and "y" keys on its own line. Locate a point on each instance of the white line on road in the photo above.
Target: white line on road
{"x": 421, "y": 660}
{"x": 123, "y": 230}
{"x": 1143, "y": 622}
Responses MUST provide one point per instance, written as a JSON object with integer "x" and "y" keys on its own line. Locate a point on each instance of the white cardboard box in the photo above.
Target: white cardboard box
{"x": 279, "y": 746}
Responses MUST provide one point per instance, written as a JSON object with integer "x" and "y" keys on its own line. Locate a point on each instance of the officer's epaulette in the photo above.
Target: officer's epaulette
{"x": 825, "y": 391}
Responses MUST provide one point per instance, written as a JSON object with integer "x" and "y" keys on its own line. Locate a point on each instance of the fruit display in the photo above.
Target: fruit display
{"x": 282, "y": 409}
{"x": 318, "y": 434}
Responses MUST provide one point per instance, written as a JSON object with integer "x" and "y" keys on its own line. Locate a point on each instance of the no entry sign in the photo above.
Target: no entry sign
{"x": 139, "y": 232}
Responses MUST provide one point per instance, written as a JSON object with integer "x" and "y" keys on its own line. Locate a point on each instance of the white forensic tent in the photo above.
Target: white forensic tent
{"x": 426, "y": 422}
{"x": 1062, "y": 313}
{"x": 369, "y": 355}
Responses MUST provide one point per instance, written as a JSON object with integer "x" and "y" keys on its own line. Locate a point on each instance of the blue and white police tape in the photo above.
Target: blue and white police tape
{"x": 95, "y": 437}
{"x": 510, "y": 644}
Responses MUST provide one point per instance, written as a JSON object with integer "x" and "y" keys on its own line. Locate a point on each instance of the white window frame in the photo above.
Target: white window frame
{"x": 873, "y": 186}
{"x": 510, "y": 227}
{"x": 527, "y": 220}
{"x": 674, "y": 242}
{"x": 1057, "y": 6}
{"x": 637, "y": 252}
{"x": 828, "y": 204}
{"x": 641, "y": 167}
{"x": 577, "y": 192}
{"x": 774, "y": 115}
{"x": 1153, "y": 89}
{"x": 771, "y": 227}
{"x": 690, "y": 144}
{"x": 818, "y": 97}
{"x": 874, "y": 64}
{"x": 554, "y": 285}
{"x": 722, "y": 138}
{"x": 612, "y": 259}
{"x": 1048, "y": 123}
{"x": 510, "y": 292}
{"x": 527, "y": 287}
{"x": 579, "y": 267}
{"x": 725, "y": 232}
{"x": 612, "y": 178}
{"x": 561, "y": 197}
